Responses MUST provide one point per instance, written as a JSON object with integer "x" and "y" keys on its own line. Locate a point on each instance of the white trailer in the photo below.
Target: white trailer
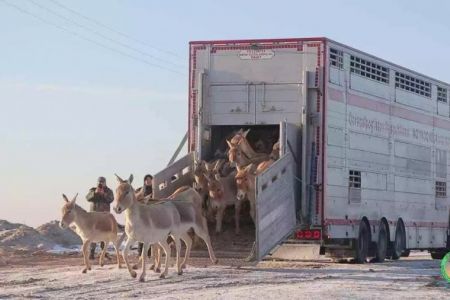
{"x": 363, "y": 169}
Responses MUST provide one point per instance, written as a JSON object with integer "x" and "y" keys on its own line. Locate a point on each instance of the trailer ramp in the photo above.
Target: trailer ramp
{"x": 178, "y": 174}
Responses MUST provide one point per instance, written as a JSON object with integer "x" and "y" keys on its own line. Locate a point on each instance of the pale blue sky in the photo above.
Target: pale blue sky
{"x": 71, "y": 110}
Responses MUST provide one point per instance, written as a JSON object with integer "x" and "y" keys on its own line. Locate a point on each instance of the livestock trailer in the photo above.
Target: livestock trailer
{"x": 364, "y": 143}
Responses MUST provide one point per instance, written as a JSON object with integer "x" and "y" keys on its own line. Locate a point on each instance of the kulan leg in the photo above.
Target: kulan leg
{"x": 116, "y": 247}
{"x": 237, "y": 213}
{"x": 253, "y": 211}
{"x": 158, "y": 256}
{"x": 102, "y": 255}
{"x": 203, "y": 233}
{"x": 166, "y": 249}
{"x": 125, "y": 257}
{"x": 219, "y": 218}
{"x": 188, "y": 241}
{"x": 136, "y": 265}
{"x": 84, "y": 249}
{"x": 177, "y": 241}
{"x": 154, "y": 250}
{"x": 144, "y": 260}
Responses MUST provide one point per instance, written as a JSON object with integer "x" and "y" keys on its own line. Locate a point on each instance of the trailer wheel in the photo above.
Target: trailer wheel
{"x": 399, "y": 242}
{"x": 406, "y": 253}
{"x": 362, "y": 243}
{"x": 438, "y": 254}
{"x": 382, "y": 244}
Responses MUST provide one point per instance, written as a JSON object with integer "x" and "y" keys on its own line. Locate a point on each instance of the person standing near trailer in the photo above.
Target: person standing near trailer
{"x": 147, "y": 190}
{"x": 100, "y": 198}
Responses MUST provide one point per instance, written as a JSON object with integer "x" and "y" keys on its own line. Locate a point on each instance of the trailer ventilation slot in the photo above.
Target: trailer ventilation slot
{"x": 442, "y": 94}
{"x": 264, "y": 186}
{"x": 369, "y": 69}
{"x": 186, "y": 171}
{"x": 337, "y": 58}
{"x": 355, "y": 179}
{"x": 441, "y": 189}
{"x": 412, "y": 84}
{"x": 354, "y": 186}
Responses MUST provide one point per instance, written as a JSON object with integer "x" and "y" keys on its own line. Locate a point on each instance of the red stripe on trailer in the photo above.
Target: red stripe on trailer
{"x": 214, "y": 49}
{"x": 368, "y": 104}
{"x": 252, "y": 41}
{"x": 336, "y": 95}
{"x": 324, "y": 126}
{"x": 193, "y": 94}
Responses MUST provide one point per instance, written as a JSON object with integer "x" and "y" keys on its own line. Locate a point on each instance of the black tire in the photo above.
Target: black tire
{"x": 399, "y": 242}
{"x": 382, "y": 244}
{"x": 362, "y": 243}
{"x": 438, "y": 254}
{"x": 406, "y": 253}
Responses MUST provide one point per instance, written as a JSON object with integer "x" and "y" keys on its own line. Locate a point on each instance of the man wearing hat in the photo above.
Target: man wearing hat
{"x": 101, "y": 198}
{"x": 147, "y": 190}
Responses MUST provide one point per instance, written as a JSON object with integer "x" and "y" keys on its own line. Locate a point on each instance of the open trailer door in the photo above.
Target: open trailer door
{"x": 178, "y": 174}
{"x": 275, "y": 205}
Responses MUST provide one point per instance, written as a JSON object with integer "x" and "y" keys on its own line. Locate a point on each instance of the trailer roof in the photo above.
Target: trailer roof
{"x": 311, "y": 39}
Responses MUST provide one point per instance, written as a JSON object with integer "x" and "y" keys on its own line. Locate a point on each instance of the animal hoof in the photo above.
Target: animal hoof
{"x": 141, "y": 279}
{"x": 180, "y": 273}
{"x": 183, "y": 266}
{"x": 133, "y": 274}
{"x": 84, "y": 271}
{"x": 101, "y": 265}
{"x": 162, "y": 276}
{"x": 89, "y": 268}
{"x": 135, "y": 267}
{"x": 157, "y": 270}
{"x": 152, "y": 267}
{"x": 216, "y": 261}
{"x": 119, "y": 267}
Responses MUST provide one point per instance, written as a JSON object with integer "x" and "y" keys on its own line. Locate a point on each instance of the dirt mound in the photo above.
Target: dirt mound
{"x": 5, "y": 225}
{"x": 24, "y": 237}
{"x": 63, "y": 237}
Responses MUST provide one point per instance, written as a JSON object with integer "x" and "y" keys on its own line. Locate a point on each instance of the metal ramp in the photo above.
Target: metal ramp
{"x": 178, "y": 174}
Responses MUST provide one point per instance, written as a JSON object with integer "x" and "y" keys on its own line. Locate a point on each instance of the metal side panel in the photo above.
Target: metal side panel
{"x": 179, "y": 174}
{"x": 290, "y": 138}
{"x": 275, "y": 205}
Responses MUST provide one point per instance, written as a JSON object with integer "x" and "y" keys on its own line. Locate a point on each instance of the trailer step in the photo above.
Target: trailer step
{"x": 297, "y": 251}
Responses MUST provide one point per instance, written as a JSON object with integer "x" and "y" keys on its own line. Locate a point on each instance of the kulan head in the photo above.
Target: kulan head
{"x": 235, "y": 155}
{"x": 243, "y": 181}
{"x": 125, "y": 195}
{"x": 68, "y": 214}
{"x": 215, "y": 186}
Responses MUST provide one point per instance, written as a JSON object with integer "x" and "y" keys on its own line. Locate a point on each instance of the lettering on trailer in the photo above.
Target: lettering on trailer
{"x": 375, "y": 126}
{"x": 254, "y": 54}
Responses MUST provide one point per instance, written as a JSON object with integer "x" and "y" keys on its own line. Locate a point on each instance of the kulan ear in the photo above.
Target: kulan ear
{"x": 229, "y": 144}
{"x": 245, "y": 133}
{"x": 130, "y": 179}
{"x": 65, "y": 198}
{"x": 120, "y": 180}
{"x": 74, "y": 200}
{"x": 248, "y": 168}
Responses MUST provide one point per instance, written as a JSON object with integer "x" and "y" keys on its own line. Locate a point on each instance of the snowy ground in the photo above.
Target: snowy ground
{"x": 416, "y": 277}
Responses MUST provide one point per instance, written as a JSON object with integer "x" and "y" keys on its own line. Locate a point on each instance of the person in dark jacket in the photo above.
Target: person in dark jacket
{"x": 147, "y": 187}
{"x": 100, "y": 198}
{"x": 148, "y": 191}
